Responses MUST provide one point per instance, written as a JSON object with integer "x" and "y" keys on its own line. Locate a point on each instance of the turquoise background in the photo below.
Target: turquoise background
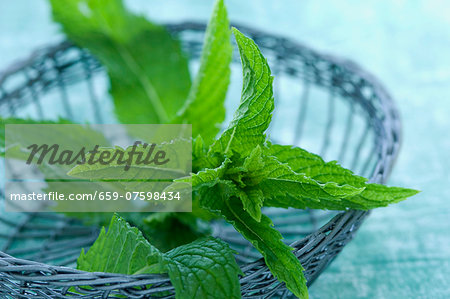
{"x": 402, "y": 251}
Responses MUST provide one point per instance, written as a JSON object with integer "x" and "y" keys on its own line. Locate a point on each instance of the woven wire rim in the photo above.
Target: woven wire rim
{"x": 25, "y": 279}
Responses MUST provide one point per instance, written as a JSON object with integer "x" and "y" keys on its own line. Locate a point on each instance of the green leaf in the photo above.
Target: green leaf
{"x": 148, "y": 71}
{"x": 205, "y": 268}
{"x": 122, "y": 249}
{"x": 115, "y": 169}
{"x": 313, "y": 166}
{"x": 252, "y": 171}
{"x": 252, "y": 200}
{"x": 138, "y": 176}
{"x": 200, "y": 158}
{"x": 253, "y": 116}
{"x": 204, "y": 108}
{"x": 302, "y": 191}
{"x": 22, "y": 121}
{"x": 208, "y": 175}
{"x": 80, "y": 136}
{"x": 376, "y": 195}
{"x": 267, "y": 240}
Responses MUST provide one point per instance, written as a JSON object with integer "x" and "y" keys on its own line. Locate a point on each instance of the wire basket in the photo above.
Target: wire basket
{"x": 324, "y": 104}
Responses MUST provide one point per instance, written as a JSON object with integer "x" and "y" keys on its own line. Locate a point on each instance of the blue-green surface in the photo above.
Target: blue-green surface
{"x": 402, "y": 251}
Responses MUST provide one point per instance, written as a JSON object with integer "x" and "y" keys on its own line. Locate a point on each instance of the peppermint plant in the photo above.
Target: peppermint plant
{"x": 236, "y": 173}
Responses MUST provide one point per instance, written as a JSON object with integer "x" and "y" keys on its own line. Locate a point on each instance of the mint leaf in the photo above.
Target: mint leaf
{"x": 12, "y": 120}
{"x": 204, "y": 108}
{"x": 313, "y": 166}
{"x": 252, "y": 200}
{"x": 253, "y": 116}
{"x": 122, "y": 249}
{"x": 148, "y": 71}
{"x": 282, "y": 181}
{"x": 116, "y": 169}
{"x": 138, "y": 175}
{"x": 252, "y": 171}
{"x": 200, "y": 158}
{"x": 247, "y": 177}
{"x": 205, "y": 268}
{"x": 267, "y": 240}
{"x": 81, "y": 136}
{"x": 376, "y": 195}
{"x": 208, "y": 176}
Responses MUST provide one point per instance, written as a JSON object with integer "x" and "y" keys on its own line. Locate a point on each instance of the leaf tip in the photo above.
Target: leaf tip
{"x": 411, "y": 192}
{"x": 235, "y": 31}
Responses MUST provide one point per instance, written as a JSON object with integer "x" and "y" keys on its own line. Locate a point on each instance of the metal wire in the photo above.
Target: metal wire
{"x": 38, "y": 270}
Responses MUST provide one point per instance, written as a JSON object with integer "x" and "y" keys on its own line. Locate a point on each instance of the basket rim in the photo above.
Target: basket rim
{"x": 391, "y": 125}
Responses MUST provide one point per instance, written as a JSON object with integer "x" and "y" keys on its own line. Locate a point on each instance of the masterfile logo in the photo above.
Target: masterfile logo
{"x": 142, "y": 152}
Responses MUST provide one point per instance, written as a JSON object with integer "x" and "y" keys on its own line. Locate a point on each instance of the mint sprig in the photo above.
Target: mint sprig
{"x": 18, "y": 121}
{"x": 234, "y": 176}
{"x": 243, "y": 171}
